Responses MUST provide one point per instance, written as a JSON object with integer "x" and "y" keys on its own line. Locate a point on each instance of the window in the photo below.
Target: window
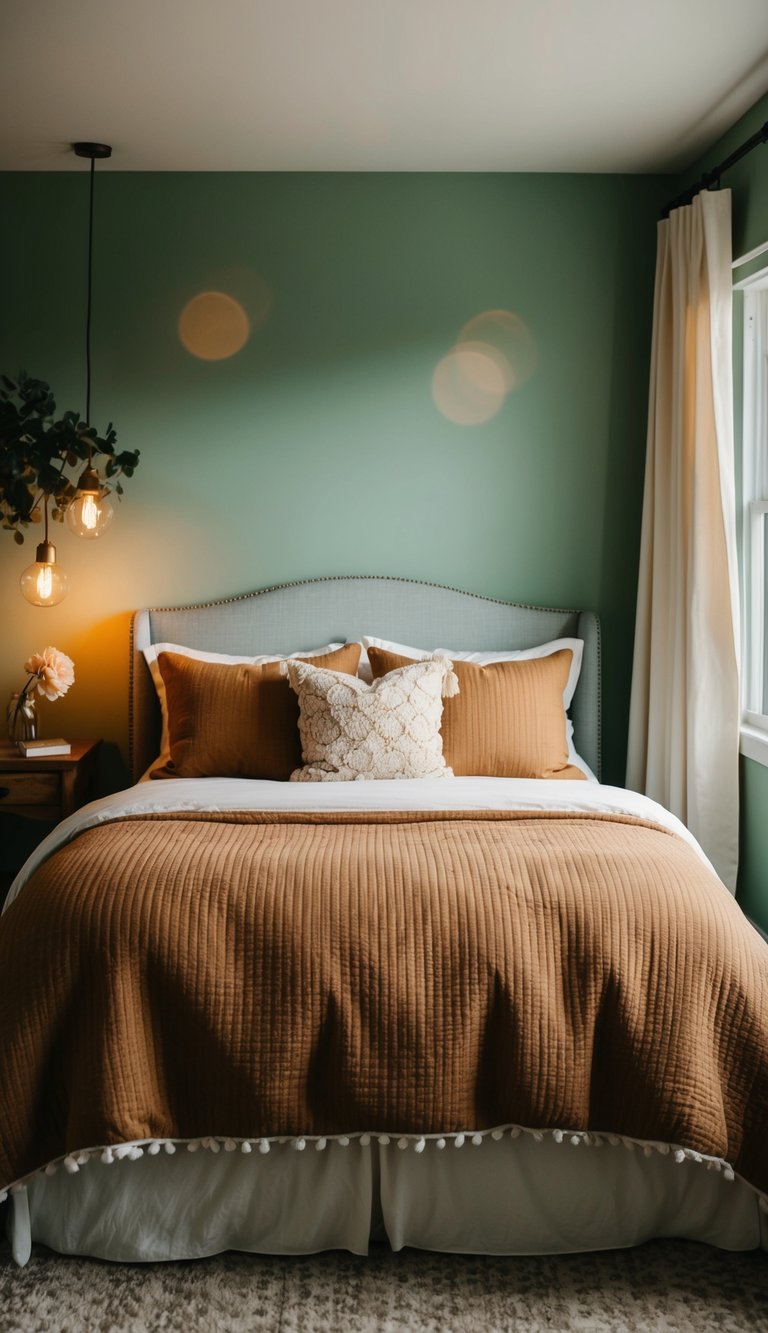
{"x": 754, "y": 461}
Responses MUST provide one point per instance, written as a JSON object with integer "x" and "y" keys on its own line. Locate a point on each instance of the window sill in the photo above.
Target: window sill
{"x": 754, "y": 743}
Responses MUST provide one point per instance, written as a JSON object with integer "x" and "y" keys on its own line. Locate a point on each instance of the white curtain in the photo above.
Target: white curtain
{"x": 684, "y": 715}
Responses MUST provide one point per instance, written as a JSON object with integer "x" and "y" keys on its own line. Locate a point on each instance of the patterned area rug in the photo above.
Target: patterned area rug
{"x": 677, "y": 1286}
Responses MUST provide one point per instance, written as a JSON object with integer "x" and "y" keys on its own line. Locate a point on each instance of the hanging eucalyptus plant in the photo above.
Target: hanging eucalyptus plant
{"x": 37, "y": 449}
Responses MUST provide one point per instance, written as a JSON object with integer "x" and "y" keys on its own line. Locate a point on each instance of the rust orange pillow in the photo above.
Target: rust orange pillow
{"x": 235, "y": 721}
{"x": 507, "y": 721}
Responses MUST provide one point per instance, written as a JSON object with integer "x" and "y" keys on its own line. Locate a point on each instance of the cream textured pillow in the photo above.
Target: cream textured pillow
{"x": 391, "y": 729}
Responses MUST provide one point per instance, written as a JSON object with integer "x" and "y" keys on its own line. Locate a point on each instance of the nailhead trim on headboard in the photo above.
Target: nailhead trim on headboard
{"x": 342, "y": 578}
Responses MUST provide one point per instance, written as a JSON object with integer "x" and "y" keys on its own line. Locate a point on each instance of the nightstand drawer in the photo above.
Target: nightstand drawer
{"x": 47, "y": 788}
{"x": 30, "y": 788}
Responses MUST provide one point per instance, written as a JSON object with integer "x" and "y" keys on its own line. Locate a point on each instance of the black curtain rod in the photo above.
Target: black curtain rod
{"x": 712, "y": 178}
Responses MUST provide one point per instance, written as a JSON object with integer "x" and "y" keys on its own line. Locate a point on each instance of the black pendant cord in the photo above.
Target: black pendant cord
{"x": 712, "y": 178}
{"x": 88, "y": 313}
{"x": 92, "y": 151}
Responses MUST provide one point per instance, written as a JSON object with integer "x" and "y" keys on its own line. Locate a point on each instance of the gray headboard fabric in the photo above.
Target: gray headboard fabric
{"x": 293, "y": 616}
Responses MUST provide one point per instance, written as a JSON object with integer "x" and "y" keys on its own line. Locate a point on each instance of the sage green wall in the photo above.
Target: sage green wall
{"x": 318, "y": 449}
{"x": 753, "y": 866}
{"x": 748, "y": 181}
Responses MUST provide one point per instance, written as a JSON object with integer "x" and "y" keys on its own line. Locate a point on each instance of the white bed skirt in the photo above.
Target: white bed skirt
{"x": 506, "y": 1197}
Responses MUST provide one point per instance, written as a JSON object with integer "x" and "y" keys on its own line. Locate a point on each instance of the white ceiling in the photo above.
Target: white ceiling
{"x": 376, "y": 85}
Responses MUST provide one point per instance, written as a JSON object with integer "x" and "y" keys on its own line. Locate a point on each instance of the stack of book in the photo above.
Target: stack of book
{"x": 43, "y": 748}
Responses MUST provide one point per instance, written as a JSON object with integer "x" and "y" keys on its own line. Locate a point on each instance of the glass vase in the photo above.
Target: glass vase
{"x": 22, "y": 718}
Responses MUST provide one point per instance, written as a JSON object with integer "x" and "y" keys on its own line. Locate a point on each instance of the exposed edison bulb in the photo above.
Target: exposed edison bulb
{"x": 44, "y": 583}
{"x": 90, "y": 513}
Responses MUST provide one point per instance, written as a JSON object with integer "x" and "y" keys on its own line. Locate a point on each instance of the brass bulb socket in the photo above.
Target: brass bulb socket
{"x": 90, "y": 482}
{"x": 46, "y": 554}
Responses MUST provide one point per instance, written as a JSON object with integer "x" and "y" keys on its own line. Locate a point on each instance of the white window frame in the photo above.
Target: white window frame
{"x": 754, "y": 459}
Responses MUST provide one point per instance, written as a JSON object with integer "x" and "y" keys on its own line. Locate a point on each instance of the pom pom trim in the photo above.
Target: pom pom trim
{"x": 108, "y": 1154}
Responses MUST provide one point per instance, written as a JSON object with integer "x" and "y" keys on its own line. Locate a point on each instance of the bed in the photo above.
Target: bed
{"x": 523, "y": 1090}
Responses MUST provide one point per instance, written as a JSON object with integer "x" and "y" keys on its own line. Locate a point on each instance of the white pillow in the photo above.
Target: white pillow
{"x": 486, "y": 659}
{"x": 152, "y": 652}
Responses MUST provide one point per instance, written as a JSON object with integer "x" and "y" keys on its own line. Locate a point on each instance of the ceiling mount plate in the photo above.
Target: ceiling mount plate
{"x": 92, "y": 150}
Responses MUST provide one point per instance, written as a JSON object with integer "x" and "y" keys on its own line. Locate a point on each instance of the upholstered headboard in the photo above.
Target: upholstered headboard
{"x": 303, "y": 615}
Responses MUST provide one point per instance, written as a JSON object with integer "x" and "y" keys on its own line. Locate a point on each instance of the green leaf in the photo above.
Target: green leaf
{"x": 36, "y": 447}
{"x": 48, "y": 477}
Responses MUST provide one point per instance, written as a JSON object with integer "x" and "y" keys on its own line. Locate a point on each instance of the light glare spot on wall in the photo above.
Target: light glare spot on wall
{"x": 469, "y": 383}
{"x": 213, "y": 326}
{"x": 248, "y": 287}
{"x": 511, "y": 339}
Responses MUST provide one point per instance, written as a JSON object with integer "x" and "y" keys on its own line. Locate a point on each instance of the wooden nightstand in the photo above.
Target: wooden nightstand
{"x": 35, "y": 794}
{"x": 50, "y": 787}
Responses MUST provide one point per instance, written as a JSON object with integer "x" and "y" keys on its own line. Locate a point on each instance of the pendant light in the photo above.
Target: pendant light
{"x": 44, "y": 583}
{"x": 89, "y": 514}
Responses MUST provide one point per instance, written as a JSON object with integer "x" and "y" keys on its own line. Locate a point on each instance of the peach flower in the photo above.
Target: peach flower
{"x": 54, "y": 670}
